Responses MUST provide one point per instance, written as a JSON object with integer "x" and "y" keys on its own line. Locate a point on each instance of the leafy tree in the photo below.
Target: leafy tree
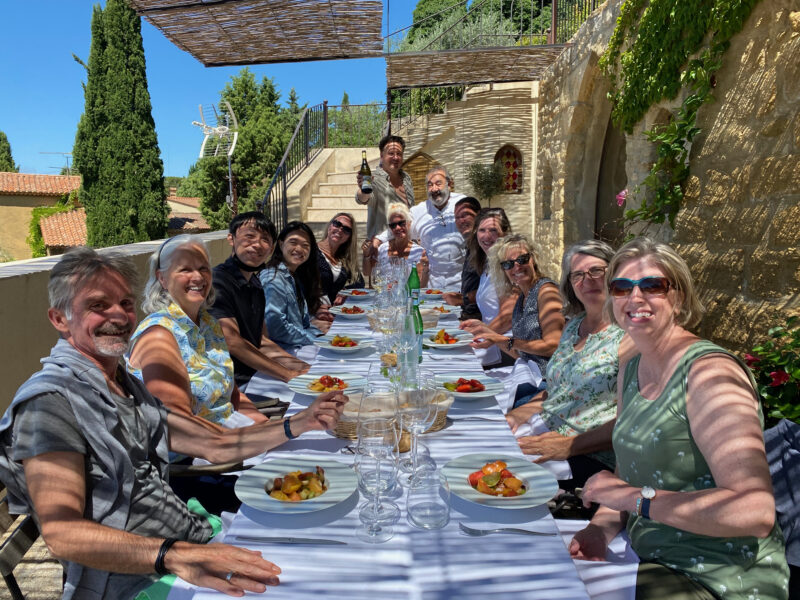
{"x": 34, "y": 240}
{"x": 116, "y": 149}
{"x": 427, "y": 8}
{"x": 172, "y": 182}
{"x": 6, "y": 160}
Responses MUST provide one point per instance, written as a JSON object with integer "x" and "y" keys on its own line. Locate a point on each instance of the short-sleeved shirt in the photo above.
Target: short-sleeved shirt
{"x": 205, "y": 354}
{"x": 436, "y": 231}
{"x": 243, "y": 300}
{"x": 383, "y": 194}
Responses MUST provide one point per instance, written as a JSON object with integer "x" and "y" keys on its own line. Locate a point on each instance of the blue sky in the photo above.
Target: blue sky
{"x": 41, "y": 98}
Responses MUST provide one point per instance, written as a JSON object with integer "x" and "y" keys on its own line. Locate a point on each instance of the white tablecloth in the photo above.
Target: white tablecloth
{"x": 414, "y": 564}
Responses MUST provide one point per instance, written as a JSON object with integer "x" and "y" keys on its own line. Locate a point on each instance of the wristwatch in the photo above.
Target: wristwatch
{"x": 510, "y": 343}
{"x": 647, "y": 494}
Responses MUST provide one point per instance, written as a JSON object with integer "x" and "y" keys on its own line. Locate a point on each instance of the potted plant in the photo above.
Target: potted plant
{"x": 486, "y": 180}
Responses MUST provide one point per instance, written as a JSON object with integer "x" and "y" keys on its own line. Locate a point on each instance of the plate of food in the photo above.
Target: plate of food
{"x": 317, "y": 383}
{"x": 343, "y": 343}
{"x": 499, "y": 481}
{"x": 358, "y": 293}
{"x": 430, "y": 294}
{"x": 349, "y": 311}
{"x": 445, "y": 338}
{"x": 445, "y": 310}
{"x": 469, "y": 386}
{"x": 296, "y": 485}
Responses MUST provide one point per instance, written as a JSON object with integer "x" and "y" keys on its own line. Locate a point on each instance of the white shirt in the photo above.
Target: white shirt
{"x": 489, "y": 305}
{"x": 436, "y": 232}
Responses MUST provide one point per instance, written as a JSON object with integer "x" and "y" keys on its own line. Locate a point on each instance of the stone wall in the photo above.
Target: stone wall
{"x": 740, "y": 228}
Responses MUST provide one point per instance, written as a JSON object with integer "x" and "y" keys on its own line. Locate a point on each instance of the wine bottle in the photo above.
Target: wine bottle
{"x": 413, "y": 280}
{"x": 366, "y": 174}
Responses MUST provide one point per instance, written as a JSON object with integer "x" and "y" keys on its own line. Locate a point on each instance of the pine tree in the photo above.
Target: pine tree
{"x": 116, "y": 149}
{"x": 6, "y": 160}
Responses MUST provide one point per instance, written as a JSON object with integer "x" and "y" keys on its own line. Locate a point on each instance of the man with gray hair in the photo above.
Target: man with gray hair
{"x": 85, "y": 447}
{"x": 434, "y": 226}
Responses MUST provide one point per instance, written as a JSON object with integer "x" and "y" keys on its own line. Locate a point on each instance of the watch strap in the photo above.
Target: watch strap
{"x": 287, "y": 429}
{"x": 645, "y": 508}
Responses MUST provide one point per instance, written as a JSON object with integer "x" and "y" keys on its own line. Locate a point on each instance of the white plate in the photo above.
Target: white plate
{"x": 358, "y": 297}
{"x": 340, "y": 478}
{"x": 324, "y": 342}
{"x": 493, "y": 386}
{"x": 464, "y": 338}
{"x": 423, "y": 295}
{"x": 337, "y": 310}
{"x": 541, "y": 484}
{"x": 299, "y": 385}
{"x": 453, "y": 312}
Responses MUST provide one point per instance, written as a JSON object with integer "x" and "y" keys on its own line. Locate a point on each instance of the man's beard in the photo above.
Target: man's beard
{"x": 111, "y": 341}
{"x": 441, "y": 198}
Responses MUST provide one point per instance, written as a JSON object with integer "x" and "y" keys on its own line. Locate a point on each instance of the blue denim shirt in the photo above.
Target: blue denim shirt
{"x": 287, "y": 325}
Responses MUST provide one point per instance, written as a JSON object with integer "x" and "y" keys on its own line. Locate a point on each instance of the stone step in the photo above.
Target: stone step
{"x": 348, "y": 177}
{"x": 341, "y": 202}
{"x": 338, "y": 189}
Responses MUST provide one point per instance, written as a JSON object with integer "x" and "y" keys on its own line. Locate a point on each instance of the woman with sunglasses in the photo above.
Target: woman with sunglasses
{"x": 577, "y": 410}
{"x": 399, "y": 245}
{"x": 496, "y": 310}
{"x": 537, "y": 318}
{"x": 692, "y": 483}
{"x": 292, "y": 288}
{"x": 337, "y": 257}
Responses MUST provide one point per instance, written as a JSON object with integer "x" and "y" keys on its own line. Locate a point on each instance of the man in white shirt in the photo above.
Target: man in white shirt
{"x": 434, "y": 227}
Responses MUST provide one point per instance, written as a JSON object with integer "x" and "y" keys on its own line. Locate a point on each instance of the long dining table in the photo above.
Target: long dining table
{"x": 415, "y": 563}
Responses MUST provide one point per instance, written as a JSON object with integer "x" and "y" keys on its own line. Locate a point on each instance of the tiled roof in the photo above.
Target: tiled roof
{"x": 29, "y": 184}
{"x": 68, "y": 229}
{"x": 187, "y": 223}
{"x": 64, "y": 230}
{"x": 187, "y": 201}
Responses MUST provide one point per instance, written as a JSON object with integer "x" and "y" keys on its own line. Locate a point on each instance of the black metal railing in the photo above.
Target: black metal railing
{"x": 321, "y": 126}
{"x": 569, "y": 16}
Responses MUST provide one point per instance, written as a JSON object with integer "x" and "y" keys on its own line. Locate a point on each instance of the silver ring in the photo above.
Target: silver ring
{"x": 229, "y": 576}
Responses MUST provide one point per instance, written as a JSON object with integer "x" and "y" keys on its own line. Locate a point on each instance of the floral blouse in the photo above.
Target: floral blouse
{"x": 582, "y": 384}
{"x": 205, "y": 353}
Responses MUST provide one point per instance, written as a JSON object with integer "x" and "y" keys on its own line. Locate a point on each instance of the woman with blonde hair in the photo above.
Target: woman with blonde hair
{"x": 400, "y": 245}
{"x": 337, "y": 257}
{"x": 692, "y": 484}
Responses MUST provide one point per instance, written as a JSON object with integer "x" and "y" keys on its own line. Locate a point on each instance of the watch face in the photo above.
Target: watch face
{"x": 648, "y": 492}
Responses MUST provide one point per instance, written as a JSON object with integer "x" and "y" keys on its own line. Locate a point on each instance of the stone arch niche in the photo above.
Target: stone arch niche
{"x": 611, "y": 180}
{"x": 585, "y": 154}
{"x": 417, "y": 167}
{"x": 510, "y": 159}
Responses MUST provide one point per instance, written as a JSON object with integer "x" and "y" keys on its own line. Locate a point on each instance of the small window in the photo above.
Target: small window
{"x": 510, "y": 160}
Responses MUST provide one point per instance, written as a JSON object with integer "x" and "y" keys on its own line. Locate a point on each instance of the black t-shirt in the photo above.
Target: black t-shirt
{"x": 244, "y": 301}
{"x": 470, "y": 280}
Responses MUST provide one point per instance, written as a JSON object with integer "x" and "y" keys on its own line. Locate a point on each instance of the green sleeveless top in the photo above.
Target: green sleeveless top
{"x": 654, "y": 446}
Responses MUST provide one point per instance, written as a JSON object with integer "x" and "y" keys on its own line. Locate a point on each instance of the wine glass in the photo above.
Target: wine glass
{"x": 418, "y": 410}
{"x": 377, "y": 432}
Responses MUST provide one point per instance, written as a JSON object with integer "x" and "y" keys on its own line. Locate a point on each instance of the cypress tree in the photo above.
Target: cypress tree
{"x": 6, "y": 160}
{"x": 116, "y": 148}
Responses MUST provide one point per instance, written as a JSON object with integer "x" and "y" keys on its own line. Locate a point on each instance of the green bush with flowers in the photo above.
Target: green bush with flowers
{"x": 776, "y": 366}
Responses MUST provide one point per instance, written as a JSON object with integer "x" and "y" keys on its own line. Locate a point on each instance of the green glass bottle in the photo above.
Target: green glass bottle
{"x": 418, "y": 325}
{"x": 413, "y": 280}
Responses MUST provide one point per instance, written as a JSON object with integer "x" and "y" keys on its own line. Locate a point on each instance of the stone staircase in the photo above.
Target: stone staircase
{"x": 334, "y": 191}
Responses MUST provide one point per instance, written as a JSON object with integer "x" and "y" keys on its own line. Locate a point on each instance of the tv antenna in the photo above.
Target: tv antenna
{"x": 220, "y": 133}
{"x": 66, "y": 156}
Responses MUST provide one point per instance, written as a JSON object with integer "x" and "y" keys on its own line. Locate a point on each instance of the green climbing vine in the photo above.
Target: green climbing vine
{"x": 649, "y": 59}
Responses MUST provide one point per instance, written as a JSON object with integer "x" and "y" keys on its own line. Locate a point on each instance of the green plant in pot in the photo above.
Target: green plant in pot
{"x": 486, "y": 180}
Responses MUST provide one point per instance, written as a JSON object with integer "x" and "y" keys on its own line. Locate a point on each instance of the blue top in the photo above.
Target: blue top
{"x": 287, "y": 319}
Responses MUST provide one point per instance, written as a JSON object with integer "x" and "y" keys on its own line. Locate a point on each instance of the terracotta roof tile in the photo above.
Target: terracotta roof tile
{"x": 187, "y": 201}
{"x": 29, "y": 184}
{"x": 187, "y": 223}
{"x": 64, "y": 230}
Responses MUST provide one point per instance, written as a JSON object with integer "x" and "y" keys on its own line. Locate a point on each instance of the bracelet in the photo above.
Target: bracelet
{"x": 639, "y": 506}
{"x": 287, "y": 430}
{"x": 162, "y": 552}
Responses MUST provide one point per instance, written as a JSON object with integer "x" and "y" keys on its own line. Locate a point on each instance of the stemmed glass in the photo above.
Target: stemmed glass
{"x": 377, "y": 431}
{"x": 417, "y": 409}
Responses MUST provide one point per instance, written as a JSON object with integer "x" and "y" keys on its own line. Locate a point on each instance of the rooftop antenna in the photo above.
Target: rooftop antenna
{"x": 66, "y": 156}
{"x": 220, "y": 133}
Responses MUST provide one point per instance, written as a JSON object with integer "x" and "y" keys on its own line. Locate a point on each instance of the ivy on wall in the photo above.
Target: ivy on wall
{"x": 648, "y": 60}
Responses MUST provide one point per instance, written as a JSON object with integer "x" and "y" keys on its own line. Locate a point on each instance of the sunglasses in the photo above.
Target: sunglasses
{"x": 342, "y": 226}
{"x": 650, "y": 286}
{"x": 397, "y": 224}
{"x": 520, "y": 260}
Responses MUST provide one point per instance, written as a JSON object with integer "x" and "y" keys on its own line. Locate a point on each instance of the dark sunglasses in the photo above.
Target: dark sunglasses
{"x": 397, "y": 224}
{"x": 342, "y": 226}
{"x": 520, "y": 260}
{"x": 650, "y": 286}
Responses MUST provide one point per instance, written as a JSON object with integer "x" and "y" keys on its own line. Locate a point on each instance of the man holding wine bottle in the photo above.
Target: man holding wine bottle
{"x": 386, "y": 185}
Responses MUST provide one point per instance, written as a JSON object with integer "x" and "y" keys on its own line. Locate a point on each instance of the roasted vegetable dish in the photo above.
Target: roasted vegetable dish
{"x": 464, "y": 386}
{"x": 298, "y": 486}
{"x": 327, "y": 383}
{"x": 495, "y": 479}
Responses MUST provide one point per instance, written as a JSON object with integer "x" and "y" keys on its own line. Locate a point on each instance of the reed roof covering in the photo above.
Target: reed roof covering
{"x": 466, "y": 67}
{"x": 245, "y": 32}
